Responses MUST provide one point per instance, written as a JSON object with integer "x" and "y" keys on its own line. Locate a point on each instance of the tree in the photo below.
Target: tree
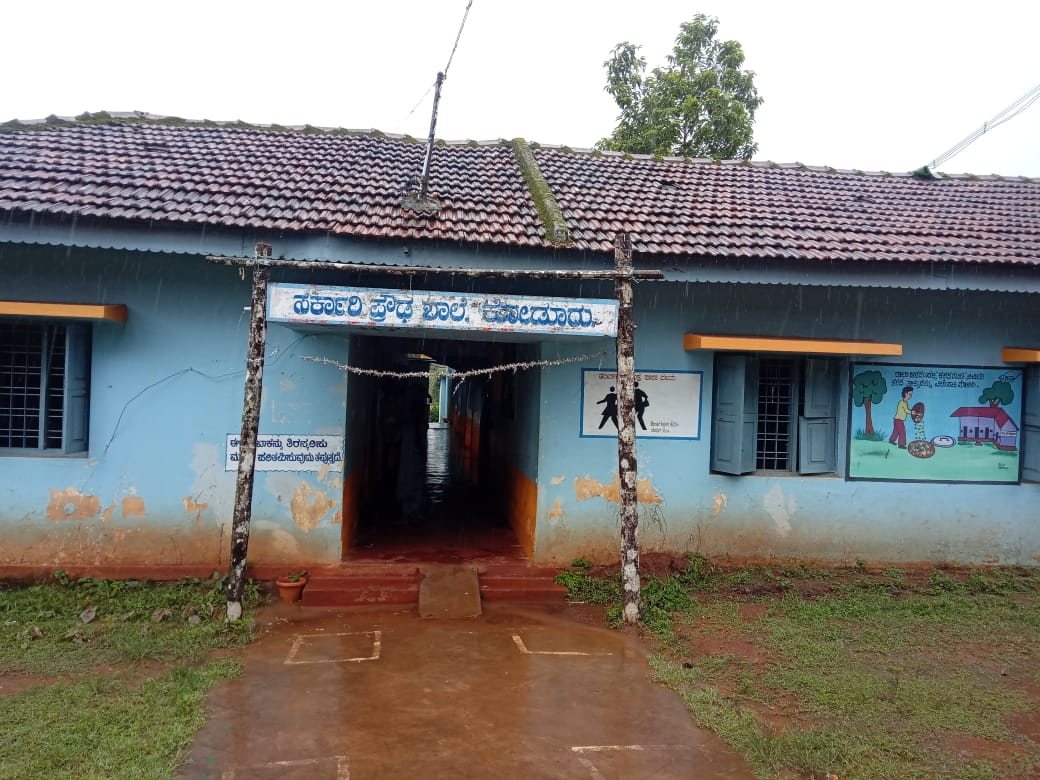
{"x": 702, "y": 104}
{"x": 868, "y": 387}
{"x": 998, "y": 393}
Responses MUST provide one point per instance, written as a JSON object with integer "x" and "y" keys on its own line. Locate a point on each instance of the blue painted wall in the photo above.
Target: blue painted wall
{"x": 822, "y": 517}
{"x": 166, "y": 390}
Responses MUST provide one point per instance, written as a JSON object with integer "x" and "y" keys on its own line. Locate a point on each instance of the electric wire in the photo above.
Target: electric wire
{"x": 408, "y": 116}
{"x": 1006, "y": 115}
{"x": 451, "y": 57}
{"x": 458, "y": 37}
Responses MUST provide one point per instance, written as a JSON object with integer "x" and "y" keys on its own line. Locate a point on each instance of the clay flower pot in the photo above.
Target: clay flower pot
{"x": 290, "y": 588}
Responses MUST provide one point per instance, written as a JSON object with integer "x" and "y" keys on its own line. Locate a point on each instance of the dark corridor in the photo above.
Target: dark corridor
{"x": 435, "y": 489}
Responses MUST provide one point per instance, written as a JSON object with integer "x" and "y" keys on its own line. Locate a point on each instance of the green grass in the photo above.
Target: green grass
{"x": 106, "y": 727}
{"x": 133, "y": 662}
{"x": 876, "y": 674}
{"x": 43, "y": 628}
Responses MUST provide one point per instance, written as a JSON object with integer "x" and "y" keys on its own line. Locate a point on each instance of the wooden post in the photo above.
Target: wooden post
{"x": 247, "y": 442}
{"x": 626, "y": 391}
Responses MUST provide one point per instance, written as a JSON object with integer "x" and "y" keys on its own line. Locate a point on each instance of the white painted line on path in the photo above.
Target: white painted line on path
{"x": 523, "y": 649}
{"x": 299, "y": 640}
{"x": 594, "y": 772}
{"x": 342, "y": 767}
{"x": 606, "y": 748}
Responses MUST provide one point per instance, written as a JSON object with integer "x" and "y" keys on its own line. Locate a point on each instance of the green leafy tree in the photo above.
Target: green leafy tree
{"x": 701, "y": 104}
{"x": 868, "y": 387}
{"x": 998, "y": 393}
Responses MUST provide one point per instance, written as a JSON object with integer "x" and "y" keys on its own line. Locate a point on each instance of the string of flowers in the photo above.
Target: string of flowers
{"x": 455, "y": 375}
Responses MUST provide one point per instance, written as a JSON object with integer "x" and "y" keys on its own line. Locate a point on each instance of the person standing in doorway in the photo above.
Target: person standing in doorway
{"x": 899, "y": 421}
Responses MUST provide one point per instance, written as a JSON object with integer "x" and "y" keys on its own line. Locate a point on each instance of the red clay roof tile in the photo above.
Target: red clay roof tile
{"x": 354, "y": 185}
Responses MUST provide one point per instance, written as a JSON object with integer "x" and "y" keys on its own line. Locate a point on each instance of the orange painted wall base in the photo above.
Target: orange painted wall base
{"x": 523, "y": 508}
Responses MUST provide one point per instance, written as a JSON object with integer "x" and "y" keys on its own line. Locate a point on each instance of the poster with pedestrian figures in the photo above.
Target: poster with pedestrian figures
{"x": 934, "y": 423}
{"x": 667, "y": 403}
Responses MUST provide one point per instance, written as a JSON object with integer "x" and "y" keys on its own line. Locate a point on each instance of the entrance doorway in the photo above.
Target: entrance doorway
{"x": 442, "y": 469}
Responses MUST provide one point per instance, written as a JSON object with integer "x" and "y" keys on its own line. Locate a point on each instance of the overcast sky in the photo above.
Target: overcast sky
{"x": 886, "y": 85}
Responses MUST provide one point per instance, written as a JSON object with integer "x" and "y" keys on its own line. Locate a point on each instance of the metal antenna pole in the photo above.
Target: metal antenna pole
{"x": 424, "y": 179}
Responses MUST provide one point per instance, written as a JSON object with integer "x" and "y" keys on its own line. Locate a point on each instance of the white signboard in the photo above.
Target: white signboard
{"x": 368, "y": 307}
{"x": 290, "y": 452}
{"x": 668, "y": 404}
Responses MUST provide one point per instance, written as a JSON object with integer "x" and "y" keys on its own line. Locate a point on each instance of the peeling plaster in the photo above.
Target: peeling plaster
{"x": 718, "y": 503}
{"x": 212, "y": 484}
{"x": 587, "y": 487}
{"x": 774, "y": 504}
{"x": 557, "y": 480}
{"x": 287, "y": 385}
{"x": 107, "y": 514}
{"x": 133, "y": 506}
{"x": 70, "y": 504}
{"x": 328, "y": 477}
{"x": 308, "y": 506}
{"x": 194, "y": 506}
{"x": 556, "y": 513}
{"x": 276, "y": 540}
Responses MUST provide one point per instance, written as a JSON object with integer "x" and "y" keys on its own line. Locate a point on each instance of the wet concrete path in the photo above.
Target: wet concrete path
{"x": 521, "y": 692}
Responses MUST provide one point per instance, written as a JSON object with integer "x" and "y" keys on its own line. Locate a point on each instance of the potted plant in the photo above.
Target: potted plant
{"x": 290, "y": 587}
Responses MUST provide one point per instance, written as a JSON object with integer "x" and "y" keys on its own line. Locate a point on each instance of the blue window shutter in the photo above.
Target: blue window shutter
{"x": 735, "y": 416}
{"x": 77, "y": 388}
{"x": 1031, "y": 396}
{"x": 821, "y": 388}
{"x": 816, "y": 445}
{"x": 818, "y": 428}
{"x": 1031, "y": 425}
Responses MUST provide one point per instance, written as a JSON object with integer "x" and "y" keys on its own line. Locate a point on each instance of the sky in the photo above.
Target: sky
{"x": 874, "y": 86}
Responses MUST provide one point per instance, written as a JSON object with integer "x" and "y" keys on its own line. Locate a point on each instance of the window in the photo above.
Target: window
{"x": 775, "y": 413}
{"x": 44, "y": 386}
{"x": 1031, "y": 424}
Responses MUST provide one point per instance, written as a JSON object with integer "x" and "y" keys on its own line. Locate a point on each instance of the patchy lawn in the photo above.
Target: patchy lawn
{"x": 105, "y": 679}
{"x": 814, "y": 672}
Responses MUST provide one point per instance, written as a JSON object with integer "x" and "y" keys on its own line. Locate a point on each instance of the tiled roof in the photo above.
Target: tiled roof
{"x": 754, "y": 210}
{"x": 354, "y": 184}
{"x": 341, "y": 184}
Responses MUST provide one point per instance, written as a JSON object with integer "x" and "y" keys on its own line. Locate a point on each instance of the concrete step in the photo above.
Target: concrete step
{"x": 361, "y": 585}
{"x": 531, "y": 586}
{"x": 362, "y": 589}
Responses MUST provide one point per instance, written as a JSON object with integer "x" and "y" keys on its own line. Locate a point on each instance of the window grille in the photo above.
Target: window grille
{"x": 775, "y": 393}
{"x": 32, "y": 385}
{"x": 775, "y": 414}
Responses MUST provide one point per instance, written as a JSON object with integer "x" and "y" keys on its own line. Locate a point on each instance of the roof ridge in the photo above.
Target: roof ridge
{"x": 829, "y": 169}
{"x": 144, "y": 117}
{"x": 163, "y": 120}
{"x": 549, "y": 211}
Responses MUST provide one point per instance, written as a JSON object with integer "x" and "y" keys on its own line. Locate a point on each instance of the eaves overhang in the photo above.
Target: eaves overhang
{"x": 886, "y": 274}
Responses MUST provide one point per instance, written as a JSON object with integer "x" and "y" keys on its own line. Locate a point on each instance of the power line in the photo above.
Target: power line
{"x": 1006, "y": 115}
{"x": 458, "y": 37}
{"x": 415, "y": 107}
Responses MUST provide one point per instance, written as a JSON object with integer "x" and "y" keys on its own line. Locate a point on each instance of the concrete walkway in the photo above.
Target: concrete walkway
{"x": 517, "y": 693}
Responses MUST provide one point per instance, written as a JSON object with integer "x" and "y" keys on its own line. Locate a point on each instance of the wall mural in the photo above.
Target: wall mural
{"x": 668, "y": 404}
{"x": 934, "y": 423}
